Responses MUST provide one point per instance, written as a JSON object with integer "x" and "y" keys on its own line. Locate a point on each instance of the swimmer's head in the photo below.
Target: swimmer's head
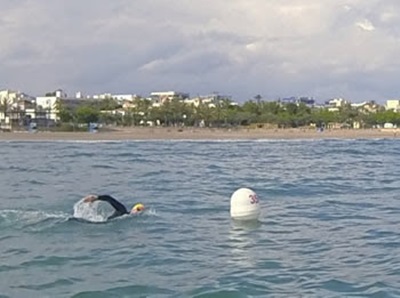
{"x": 138, "y": 208}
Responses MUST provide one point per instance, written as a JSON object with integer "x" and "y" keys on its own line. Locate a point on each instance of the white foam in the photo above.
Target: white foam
{"x": 151, "y": 212}
{"x": 89, "y": 211}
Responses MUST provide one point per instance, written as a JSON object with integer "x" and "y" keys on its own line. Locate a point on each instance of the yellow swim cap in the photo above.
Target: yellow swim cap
{"x": 137, "y": 208}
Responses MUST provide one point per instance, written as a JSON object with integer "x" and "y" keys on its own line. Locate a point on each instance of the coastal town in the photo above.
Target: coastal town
{"x": 20, "y": 111}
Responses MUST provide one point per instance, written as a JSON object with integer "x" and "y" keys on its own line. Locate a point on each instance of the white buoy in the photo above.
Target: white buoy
{"x": 245, "y": 205}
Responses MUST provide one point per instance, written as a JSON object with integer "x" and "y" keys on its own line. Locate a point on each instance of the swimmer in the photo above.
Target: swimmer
{"x": 120, "y": 209}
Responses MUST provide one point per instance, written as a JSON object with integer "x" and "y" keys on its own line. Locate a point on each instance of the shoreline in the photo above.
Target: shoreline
{"x": 174, "y": 133}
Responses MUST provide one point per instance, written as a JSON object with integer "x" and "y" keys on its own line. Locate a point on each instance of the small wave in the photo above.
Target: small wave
{"x": 55, "y": 284}
{"x": 28, "y": 216}
{"x": 108, "y": 167}
{"x": 31, "y": 220}
{"x": 220, "y": 294}
{"x": 343, "y": 287}
{"x": 138, "y": 290}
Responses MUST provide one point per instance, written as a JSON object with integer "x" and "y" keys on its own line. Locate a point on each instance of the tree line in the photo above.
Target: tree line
{"x": 222, "y": 113}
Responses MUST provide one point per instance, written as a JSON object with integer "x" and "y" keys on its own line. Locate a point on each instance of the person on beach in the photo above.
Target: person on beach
{"x": 120, "y": 209}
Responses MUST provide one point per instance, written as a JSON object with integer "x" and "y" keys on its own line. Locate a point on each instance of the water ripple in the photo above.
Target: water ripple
{"x": 328, "y": 224}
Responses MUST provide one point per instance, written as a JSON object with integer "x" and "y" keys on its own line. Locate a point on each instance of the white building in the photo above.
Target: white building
{"x": 336, "y": 103}
{"x": 161, "y": 97}
{"x": 13, "y": 105}
{"x": 366, "y": 107}
{"x": 47, "y": 104}
{"x": 8, "y": 97}
{"x": 125, "y": 97}
{"x": 210, "y": 100}
{"x": 102, "y": 96}
{"x": 393, "y": 104}
{"x": 196, "y": 101}
{"x": 60, "y": 93}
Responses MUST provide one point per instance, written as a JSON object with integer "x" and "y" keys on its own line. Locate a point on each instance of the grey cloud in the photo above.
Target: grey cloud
{"x": 273, "y": 48}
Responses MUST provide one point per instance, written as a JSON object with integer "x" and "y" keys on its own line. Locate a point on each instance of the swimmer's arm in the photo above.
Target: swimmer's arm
{"x": 113, "y": 202}
{"x": 90, "y": 198}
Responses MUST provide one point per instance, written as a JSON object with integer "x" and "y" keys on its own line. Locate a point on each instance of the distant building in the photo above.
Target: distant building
{"x": 366, "y": 107}
{"x": 210, "y": 100}
{"x": 60, "y": 93}
{"x": 336, "y": 103}
{"x": 125, "y": 97}
{"x": 309, "y": 101}
{"x": 78, "y": 94}
{"x": 102, "y": 96}
{"x": 47, "y": 108}
{"x": 13, "y": 106}
{"x": 129, "y": 104}
{"x": 162, "y": 97}
{"x": 121, "y": 98}
{"x": 393, "y": 104}
{"x": 10, "y": 96}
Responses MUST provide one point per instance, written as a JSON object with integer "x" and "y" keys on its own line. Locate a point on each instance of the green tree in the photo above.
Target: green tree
{"x": 291, "y": 108}
{"x": 65, "y": 114}
{"x": 251, "y": 107}
{"x": 108, "y": 104}
{"x": 271, "y": 107}
{"x": 389, "y": 116}
{"x": 323, "y": 116}
{"x": 87, "y": 114}
{"x": 141, "y": 111}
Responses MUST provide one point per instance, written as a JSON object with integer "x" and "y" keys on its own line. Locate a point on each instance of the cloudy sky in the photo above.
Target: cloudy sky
{"x": 275, "y": 48}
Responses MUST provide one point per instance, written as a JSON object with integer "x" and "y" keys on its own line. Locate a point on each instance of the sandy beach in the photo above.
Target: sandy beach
{"x": 150, "y": 133}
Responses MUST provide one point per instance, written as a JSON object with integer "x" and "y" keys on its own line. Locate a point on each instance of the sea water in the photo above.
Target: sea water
{"x": 329, "y": 225}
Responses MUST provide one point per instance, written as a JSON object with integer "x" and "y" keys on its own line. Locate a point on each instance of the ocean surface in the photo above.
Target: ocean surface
{"x": 330, "y": 222}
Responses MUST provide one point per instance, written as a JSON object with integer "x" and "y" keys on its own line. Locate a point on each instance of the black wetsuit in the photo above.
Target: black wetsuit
{"x": 119, "y": 207}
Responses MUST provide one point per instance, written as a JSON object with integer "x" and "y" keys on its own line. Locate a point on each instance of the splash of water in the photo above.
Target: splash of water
{"x": 89, "y": 211}
{"x": 151, "y": 212}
